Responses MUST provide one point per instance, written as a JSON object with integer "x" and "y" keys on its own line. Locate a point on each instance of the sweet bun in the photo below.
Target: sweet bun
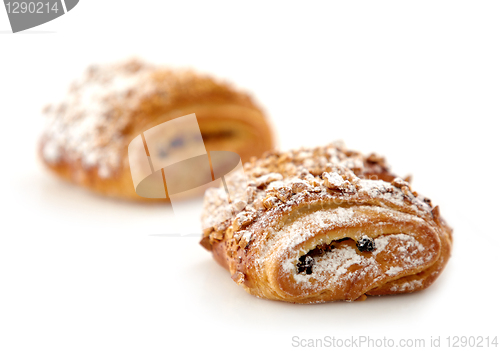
{"x": 324, "y": 224}
{"x": 86, "y": 136}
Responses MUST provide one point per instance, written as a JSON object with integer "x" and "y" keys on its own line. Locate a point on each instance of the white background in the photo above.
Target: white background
{"x": 418, "y": 82}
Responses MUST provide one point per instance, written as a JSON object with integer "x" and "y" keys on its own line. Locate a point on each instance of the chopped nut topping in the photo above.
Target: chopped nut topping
{"x": 286, "y": 157}
{"x": 238, "y": 277}
{"x": 238, "y": 206}
{"x": 243, "y": 219}
{"x": 217, "y": 235}
{"x": 258, "y": 205}
{"x": 406, "y": 190}
{"x": 230, "y": 232}
{"x": 251, "y": 194}
{"x": 399, "y": 183}
{"x": 207, "y": 231}
{"x": 221, "y": 227}
{"x": 333, "y": 180}
{"x": 302, "y": 172}
{"x": 268, "y": 178}
{"x": 237, "y": 237}
{"x": 435, "y": 212}
{"x": 245, "y": 238}
{"x": 284, "y": 193}
{"x": 299, "y": 186}
{"x": 374, "y": 158}
{"x": 270, "y": 201}
{"x": 312, "y": 180}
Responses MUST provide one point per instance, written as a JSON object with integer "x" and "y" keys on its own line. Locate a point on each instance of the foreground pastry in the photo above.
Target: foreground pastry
{"x": 323, "y": 224}
{"x": 87, "y": 134}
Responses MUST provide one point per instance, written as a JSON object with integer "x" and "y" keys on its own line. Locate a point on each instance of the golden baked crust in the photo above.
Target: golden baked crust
{"x": 86, "y": 137}
{"x": 323, "y": 224}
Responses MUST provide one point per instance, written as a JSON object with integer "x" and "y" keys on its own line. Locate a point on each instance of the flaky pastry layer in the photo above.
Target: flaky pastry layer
{"x": 324, "y": 224}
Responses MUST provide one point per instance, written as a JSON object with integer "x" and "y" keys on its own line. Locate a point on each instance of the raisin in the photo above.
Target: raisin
{"x": 305, "y": 264}
{"x": 365, "y": 244}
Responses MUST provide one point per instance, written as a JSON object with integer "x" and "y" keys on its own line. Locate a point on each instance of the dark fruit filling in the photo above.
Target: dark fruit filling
{"x": 305, "y": 264}
{"x": 365, "y": 244}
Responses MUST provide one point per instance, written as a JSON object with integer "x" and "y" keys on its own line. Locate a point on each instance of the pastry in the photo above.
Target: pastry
{"x": 324, "y": 224}
{"x": 86, "y": 136}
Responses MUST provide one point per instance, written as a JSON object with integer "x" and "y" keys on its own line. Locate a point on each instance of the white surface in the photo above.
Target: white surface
{"x": 417, "y": 82}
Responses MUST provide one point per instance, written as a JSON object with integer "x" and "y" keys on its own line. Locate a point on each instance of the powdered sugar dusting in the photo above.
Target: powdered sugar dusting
{"x": 307, "y": 226}
{"x": 335, "y": 179}
{"x": 87, "y": 125}
{"x": 407, "y": 286}
{"x": 92, "y": 125}
{"x": 394, "y": 270}
{"x": 304, "y": 228}
{"x": 332, "y": 268}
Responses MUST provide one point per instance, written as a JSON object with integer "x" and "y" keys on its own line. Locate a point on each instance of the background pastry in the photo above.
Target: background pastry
{"x": 323, "y": 224}
{"x": 86, "y": 137}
